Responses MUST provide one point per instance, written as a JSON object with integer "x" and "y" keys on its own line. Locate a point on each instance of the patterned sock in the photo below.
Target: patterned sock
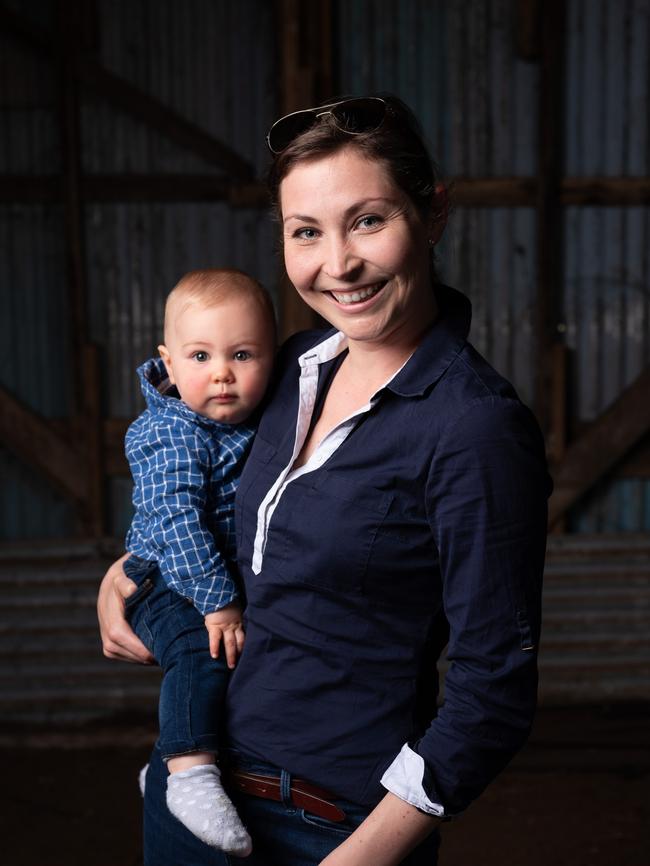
{"x": 196, "y": 797}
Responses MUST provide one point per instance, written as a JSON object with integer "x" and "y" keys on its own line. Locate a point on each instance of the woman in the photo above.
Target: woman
{"x": 394, "y": 499}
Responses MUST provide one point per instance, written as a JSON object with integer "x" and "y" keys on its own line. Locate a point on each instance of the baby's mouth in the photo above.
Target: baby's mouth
{"x": 358, "y": 295}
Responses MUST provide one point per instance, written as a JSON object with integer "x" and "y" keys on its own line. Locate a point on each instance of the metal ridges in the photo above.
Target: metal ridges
{"x": 51, "y": 664}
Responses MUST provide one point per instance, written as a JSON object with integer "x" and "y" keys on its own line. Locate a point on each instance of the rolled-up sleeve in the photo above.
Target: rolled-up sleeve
{"x": 487, "y": 496}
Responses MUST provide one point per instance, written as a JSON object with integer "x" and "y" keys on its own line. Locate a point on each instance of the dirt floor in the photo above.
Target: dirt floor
{"x": 578, "y": 795}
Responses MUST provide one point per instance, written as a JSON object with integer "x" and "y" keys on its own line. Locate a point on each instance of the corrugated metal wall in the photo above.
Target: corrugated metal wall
{"x": 478, "y": 103}
{"x": 34, "y": 360}
{"x": 51, "y": 664}
{"x": 455, "y": 63}
{"x": 595, "y": 646}
{"x": 214, "y": 64}
{"x": 607, "y": 264}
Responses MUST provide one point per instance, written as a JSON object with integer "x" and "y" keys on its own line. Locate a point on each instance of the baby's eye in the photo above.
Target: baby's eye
{"x": 242, "y": 355}
{"x": 201, "y": 357}
{"x": 369, "y": 222}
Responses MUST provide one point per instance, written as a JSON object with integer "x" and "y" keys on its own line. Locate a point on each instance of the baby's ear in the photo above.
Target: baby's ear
{"x": 167, "y": 361}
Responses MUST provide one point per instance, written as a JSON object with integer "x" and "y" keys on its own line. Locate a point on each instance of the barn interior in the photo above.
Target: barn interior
{"x": 132, "y": 149}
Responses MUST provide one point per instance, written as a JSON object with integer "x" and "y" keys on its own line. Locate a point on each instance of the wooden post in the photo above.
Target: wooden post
{"x": 306, "y": 79}
{"x": 549, "y": 208}
{"x": 83, "y": 361}
{"x": 557, "y": 436}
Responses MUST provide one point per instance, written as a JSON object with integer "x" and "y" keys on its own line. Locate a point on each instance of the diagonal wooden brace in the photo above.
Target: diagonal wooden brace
{"x": 31, "y": 438}
{"x": 603, "y": 445}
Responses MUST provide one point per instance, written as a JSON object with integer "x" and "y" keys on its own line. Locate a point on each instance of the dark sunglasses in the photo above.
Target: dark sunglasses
{"x": 354, "y": 116}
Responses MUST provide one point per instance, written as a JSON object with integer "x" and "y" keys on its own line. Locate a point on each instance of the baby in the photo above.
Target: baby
{"x": 186, "y": 452}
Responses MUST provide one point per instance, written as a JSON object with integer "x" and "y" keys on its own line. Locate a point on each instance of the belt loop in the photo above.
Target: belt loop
{"x": 285, "y": 788}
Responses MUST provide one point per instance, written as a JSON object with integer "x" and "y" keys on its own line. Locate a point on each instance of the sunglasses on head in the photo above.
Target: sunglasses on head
{"x": 353, "y": 116}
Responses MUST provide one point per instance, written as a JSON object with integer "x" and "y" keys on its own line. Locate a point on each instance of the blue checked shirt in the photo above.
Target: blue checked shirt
{"x": 185, "y": 470}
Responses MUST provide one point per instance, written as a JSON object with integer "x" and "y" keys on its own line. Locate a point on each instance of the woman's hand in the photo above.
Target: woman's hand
{"x": 118, "y": 640}
{"x": 389, "y": 833}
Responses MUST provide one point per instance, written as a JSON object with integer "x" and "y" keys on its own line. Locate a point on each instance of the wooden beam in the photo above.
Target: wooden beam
{"x": 136, "y": 187}
{"x": 636, "y": 464}
{"x": 83, "y": 357}
{"x": 493, "y": 192}
{"x": 549, "y": 223}
{"x": 605, "y": 191}
{"x": 602, "y": 446}
{"x": 128, "y": 98}
{"x": 464, "y": 191}
{"x": 69, "y": 129}
{"x": 306, "y": 79}
{"x": 114, "y": 433}
{"x": 527, "y": 29}
{"x": 27, "y": 435}
{"x": 94, "y": 518}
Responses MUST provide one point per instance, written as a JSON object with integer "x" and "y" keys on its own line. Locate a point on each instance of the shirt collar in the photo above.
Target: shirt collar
{"x": 324, "y": 351}
{"x": 439, "y": 346}
{"x": 436, "y": 351}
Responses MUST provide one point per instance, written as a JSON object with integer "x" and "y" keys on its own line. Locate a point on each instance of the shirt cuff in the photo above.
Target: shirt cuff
{"x": 404, "y": 778}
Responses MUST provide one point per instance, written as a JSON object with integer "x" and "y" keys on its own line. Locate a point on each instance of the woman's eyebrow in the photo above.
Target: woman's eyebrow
{"x": 303, "y": 218}
{"x": 358, "y": 205}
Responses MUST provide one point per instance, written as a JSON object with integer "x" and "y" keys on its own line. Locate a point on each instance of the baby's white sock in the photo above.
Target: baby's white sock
{"x": 197, "y": 798}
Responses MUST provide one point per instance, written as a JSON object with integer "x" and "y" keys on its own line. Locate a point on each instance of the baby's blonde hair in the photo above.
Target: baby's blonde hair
{"x": 212, "y": 286}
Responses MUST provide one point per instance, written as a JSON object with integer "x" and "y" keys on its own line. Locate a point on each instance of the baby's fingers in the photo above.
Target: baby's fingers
{"x": 240, "y": 637}
{"x": 215, "y": 635}
{"x": 230, "y": 646}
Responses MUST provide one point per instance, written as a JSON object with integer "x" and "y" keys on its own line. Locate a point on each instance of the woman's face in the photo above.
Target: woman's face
{"x": 356, "y": 249}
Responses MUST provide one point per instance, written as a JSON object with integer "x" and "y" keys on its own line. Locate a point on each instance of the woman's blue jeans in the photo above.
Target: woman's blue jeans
{"x": 194, "y": 684}
{"x": 283, "y": 835}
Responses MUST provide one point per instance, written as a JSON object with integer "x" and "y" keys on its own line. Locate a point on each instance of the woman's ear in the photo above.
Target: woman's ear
{"x": 439, "y": 213}
{"x": 163, "y": 351}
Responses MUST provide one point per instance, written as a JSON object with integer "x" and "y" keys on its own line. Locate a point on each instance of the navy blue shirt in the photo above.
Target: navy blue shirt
{"x": 426, "y": 524}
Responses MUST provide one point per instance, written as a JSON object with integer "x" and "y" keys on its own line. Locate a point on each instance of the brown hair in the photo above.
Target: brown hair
{"x": 398, "y": 143}
{"x": 212, "y": 286}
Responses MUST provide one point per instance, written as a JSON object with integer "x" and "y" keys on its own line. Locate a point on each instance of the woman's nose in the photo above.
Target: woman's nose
{"x": 342, "y": 262}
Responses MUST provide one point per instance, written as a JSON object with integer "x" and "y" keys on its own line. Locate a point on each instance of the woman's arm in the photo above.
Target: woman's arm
{"x": 389, "y": 833}
{"x": 118, "y": 640}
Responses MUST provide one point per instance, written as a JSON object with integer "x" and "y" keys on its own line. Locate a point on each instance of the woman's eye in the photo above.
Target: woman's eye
{"x": 369, "y": 222}
{"x": 242, "y": 355}
{"x": 305, "y": 234}
{"x": 201, "y": 357}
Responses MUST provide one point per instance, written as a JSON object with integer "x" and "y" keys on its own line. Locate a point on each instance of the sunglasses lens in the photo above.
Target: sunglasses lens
{"x": 360, "y": 115}
{"x": 352, "y": 115}
{"x": 287, "y": 128}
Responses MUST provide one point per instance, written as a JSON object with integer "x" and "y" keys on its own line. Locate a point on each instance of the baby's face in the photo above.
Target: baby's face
{"x": 220, "y": 357}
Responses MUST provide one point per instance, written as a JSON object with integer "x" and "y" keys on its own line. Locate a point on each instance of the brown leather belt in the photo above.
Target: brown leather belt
{"x": 303, "y": 794}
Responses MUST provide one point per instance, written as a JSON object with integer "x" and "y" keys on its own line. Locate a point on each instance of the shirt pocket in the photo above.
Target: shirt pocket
{"x": 327, "y": 526}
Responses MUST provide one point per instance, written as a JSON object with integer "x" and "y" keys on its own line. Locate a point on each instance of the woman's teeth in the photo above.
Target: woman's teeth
{"x": 359, "y": 295}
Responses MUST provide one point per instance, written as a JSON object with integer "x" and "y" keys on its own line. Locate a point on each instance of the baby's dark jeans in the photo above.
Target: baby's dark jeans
{"x": 193, "y": 684}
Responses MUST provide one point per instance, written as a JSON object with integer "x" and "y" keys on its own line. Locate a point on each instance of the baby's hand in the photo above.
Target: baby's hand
{"x": 226, "y": 624}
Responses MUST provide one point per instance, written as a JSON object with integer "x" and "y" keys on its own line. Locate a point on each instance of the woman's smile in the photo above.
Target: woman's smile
{"x": 349, "y": 297}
